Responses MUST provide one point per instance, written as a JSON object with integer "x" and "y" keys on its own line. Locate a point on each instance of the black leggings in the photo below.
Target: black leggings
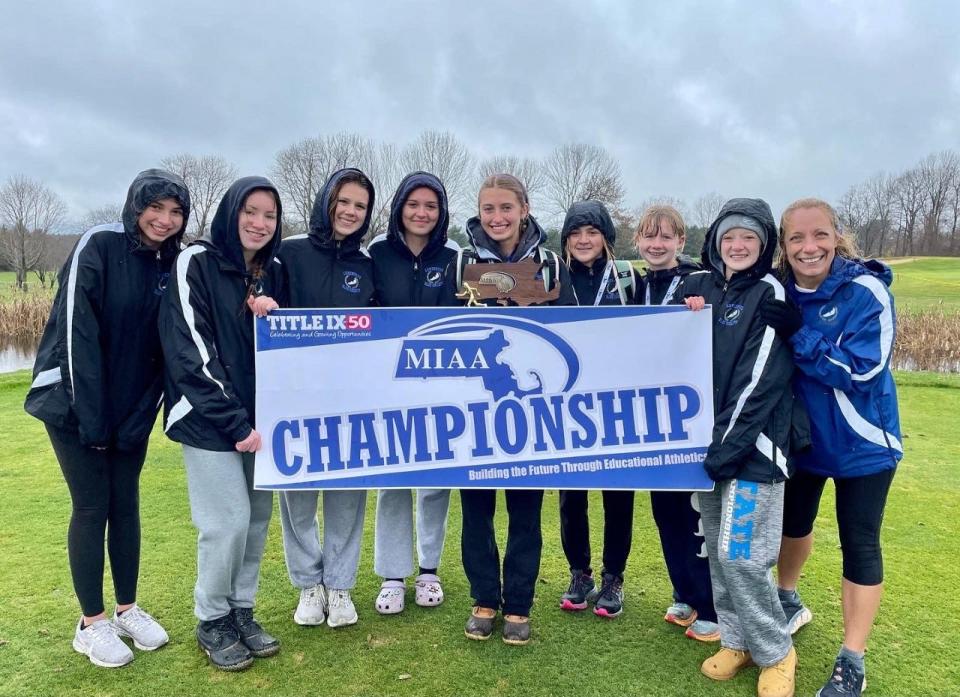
{"x": 617, "y": 530}
{"x": 860, "y": 504}
{"x": 104, "y": 488}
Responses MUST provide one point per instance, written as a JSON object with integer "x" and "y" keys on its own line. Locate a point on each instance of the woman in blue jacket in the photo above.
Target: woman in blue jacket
{"x": 96, "y": 386}
{"x": 842, "y": 337}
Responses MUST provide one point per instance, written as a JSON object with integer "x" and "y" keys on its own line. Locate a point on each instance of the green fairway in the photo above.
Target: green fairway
{"x": 424, "y": 652}
{"x": 926, "y": 283}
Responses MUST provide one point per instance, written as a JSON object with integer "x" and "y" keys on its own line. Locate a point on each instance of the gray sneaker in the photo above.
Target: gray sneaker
{"x": 341, "y": 609}
{"x": 796, "y": 612}
{"x": 312, "y": 608}
{"x": 146, "y": 632}
{"x": 100, "y": 643}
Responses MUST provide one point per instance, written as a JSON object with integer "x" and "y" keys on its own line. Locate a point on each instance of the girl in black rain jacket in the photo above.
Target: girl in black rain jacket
{"x": 749, "y": 456}
{"x": 587, "y": 239}
{"x": 207, "y": 334}
{"x": 96, "y": 386}
{"x": 409, "y": 262}
{"x": 327, "y": 268}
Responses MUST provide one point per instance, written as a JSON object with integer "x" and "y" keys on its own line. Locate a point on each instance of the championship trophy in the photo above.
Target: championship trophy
{"x": 517, "y": 283}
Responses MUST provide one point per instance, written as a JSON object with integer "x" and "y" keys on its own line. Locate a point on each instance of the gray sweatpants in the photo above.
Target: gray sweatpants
{"x": 231, "y": 520}
{"x": 393, "y": 548}
{"x": 742, "y": 522}
{"x": 335, "y": 562}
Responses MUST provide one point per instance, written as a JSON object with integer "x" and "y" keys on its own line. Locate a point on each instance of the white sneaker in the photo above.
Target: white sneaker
{"x": 312, "y": 608}
{"x": 342, "y": 612}
{"x": 429, "y": 590}
{"x": 101, "y": 644}
{"x": 146, "y": 632}
{"x": 391, "y": 599}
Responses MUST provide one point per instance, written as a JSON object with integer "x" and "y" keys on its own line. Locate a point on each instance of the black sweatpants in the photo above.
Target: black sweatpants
{"x": 860, "y": 502}
{"x": 617, "y": 530}
{"x": 104, "y": 488}
{"x": 684, "y": 552}
{"x": 481, "y": 557}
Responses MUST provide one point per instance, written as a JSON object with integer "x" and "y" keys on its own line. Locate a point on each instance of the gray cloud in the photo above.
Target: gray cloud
{"x": 777, "y": 100}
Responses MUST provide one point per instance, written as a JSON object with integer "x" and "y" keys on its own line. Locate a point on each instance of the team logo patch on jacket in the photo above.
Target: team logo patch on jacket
{"x": 433, "y": 277}
{"x": 351, "y": 281}
{"x": 829, "y": 313}
{"x": 731, "y": 314}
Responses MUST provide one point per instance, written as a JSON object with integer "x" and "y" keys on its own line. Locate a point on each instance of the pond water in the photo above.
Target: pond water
{"x": 17, "y": 355}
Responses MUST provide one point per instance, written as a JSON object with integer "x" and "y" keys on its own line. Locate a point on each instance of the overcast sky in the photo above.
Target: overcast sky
{"x": 774, "y": 100}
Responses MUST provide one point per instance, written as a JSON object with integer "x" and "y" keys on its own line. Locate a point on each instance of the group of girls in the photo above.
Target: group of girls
{"x": 131, "y": 302}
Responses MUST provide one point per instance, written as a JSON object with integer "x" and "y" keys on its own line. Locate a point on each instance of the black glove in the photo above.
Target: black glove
{"x": 784, "y": 317}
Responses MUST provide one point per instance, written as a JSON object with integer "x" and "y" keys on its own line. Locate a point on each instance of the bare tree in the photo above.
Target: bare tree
{"x": 937, "y": 173}
{"x": 207, "y": 177}
{"x": 705, "y": 209}
{"x": 577, "y": 172}
{"x": 382, "y": 165}
{"x": 909, "y": 197}
{"x": 27, "y": 207}
{"x": 107, "y": 213}
{"x": 529, "y": 171}
{"x": 303, "y": 168}
{"x": 442, "y": 154}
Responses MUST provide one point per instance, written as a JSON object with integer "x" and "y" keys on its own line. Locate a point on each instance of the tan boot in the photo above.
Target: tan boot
{"x": 779, "y": 680}
{"x": 726, "y": 663}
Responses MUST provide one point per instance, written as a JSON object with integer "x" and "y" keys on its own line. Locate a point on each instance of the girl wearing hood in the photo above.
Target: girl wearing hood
{"x": 409, "y": 262}
{"x": 327, "y": 268}
{"x": 587, "y": 238}
{"x": 207, "y": 336}
{"x": 504, "y": 231}
{"x": 96, "y": 386}
{"x": 842, "y": 337}
{"x": 660, "y": 238}
{"x": 749, "y": 457}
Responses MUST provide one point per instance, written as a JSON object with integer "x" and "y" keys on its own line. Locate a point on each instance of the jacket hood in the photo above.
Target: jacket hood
{"x": 532, "y": 237}
{"x": 321, "y": 227}
{"x": 755, "y": 208}
{"x": 417, "y": 180}
{"x": 224, "y": 235}
{"x": 588, "y": 213}
{"x": 149, "y": 186}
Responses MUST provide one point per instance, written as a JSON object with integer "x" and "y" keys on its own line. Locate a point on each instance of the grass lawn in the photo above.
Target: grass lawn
{"x": 424, "y": 652}
{"x": 926, "y": 283}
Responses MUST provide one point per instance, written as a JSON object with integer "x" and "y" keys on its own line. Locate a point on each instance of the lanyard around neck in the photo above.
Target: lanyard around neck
{"x": 670, "y": 291}
{"x": 603, "y": 283}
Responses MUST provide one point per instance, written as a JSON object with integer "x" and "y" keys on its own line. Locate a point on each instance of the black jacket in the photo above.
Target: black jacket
{"x": 752, "y": 367}
{"x": 99, "y": 368}
{"x": 486, "y": 251}
{"x": 319, "y": 271}
{"x": 403, "y": 279}
{"x": 587, "y": 279}
{"x": 207, "y": 330}
{"x": 658, "y": 283}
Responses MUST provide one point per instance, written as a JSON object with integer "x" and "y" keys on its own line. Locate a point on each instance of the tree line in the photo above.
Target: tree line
{"x": 915, "y": 212}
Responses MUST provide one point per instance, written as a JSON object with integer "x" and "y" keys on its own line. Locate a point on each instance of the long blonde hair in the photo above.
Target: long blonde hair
{"x": 846, "y": 244}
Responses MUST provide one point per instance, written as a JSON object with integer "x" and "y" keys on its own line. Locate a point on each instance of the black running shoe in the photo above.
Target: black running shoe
{"x": 581, "y": 591}
{"x": 260, "y": 643}
{"x": 610, "y": 599}
{"x": 220, "y": 640}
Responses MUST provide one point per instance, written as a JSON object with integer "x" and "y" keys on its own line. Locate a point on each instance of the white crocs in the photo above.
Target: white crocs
{"x": 429, "y": 591}
{"x": 390, "y": 601}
